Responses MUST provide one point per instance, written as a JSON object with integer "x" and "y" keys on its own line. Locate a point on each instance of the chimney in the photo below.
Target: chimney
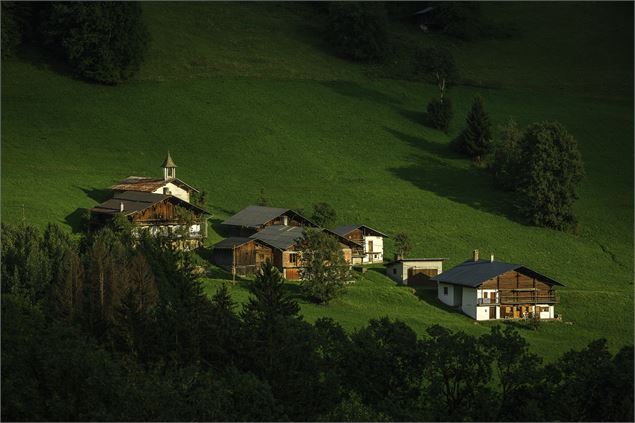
{"x": 491, "y": 258}
{"x": 475, "y": 255}
{"x": 121, "y": 206}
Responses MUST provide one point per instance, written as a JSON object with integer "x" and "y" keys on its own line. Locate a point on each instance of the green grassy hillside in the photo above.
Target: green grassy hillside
{"x": 247, "y": 96}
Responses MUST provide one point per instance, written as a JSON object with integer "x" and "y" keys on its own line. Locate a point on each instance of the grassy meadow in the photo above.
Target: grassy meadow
{"x": 248, "y": 96}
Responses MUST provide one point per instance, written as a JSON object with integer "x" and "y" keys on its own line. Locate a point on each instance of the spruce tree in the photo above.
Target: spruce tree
{"x": 269, "y": 302}
{"x": 476, "y": 138}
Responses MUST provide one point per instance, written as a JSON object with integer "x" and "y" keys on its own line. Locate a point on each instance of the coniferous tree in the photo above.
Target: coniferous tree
{"x": 68, "y": 288}
{"x": 269, "y": 302}
{"x": 476, "y": 138}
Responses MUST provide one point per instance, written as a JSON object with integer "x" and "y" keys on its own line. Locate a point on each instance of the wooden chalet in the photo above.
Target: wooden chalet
{"x": 160, "y": 214}
{"x": 369, "y": 242}
{"x": 252, "y": 219}
{"x": 491, "y": 289}
{"x": 168, "y": 185}
{"x": 278, "y": 243}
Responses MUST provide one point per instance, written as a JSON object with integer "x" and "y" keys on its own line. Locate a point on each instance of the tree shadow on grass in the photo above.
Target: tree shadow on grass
{"x": 429, "y": 296}
{"x": 77, "y": 220}
{"x": 462, "y": 185}
{"x": 420, "y": 118}
{"x": 355, "y": 90}
{"x": 98, "y": 194}
{"x": 439, "y": 149}
{"x": 44, "y": 60}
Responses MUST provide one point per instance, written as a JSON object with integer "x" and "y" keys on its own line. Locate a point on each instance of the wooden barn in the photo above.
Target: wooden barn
{"x": 160, "y": 214}
{"x": 168, "y": 185}
{"x": 369, "y": 242}
{"x": 491, "y": 289}
{"x": 277, "y": 243}
{"x": 252, "y": 219}
{"x": 242, "y": 256}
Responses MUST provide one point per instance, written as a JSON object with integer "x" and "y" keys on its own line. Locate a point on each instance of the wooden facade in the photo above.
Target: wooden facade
{"x": 243, "y": 259}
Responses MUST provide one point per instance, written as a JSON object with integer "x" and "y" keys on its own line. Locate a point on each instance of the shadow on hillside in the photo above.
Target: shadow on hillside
{"x": 354, "y": 90}
{"x": 429, "y": 295}
{"x": 77, "y": 219}
{"x": 466, "y": 186}
{"x": 438, "y": 149}
{"x": 44, "y": 60}
{"x": 219, "y": 228}
{"x": 98, "y": 194}
{"x": 413, "y": 116}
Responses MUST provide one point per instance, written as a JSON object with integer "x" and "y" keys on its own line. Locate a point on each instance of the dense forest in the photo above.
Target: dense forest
{"x": 111, "y": 327}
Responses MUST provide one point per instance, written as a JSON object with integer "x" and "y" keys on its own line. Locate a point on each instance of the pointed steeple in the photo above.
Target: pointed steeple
{"x": 169, "y": 168}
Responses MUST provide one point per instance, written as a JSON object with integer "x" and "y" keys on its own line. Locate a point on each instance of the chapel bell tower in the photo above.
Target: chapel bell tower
{"x": 169, "y": 168}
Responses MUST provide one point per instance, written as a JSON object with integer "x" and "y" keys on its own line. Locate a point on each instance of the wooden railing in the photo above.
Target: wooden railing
{"x": 521, "y": 297}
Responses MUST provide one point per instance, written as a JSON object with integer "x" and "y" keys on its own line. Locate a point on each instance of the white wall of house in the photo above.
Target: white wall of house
{"x": 449, "y": 294}
{"x": 482, "y": 313}
{"x": 547, "y": 314}
{"x": 175, "y": 190}
{"x": 469, "y": 301}
{"x": 377, "y": 253}
{"x": 395, "y": 271}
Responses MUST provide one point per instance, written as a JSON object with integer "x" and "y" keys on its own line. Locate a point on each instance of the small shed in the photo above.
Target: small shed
{"x": 415, "y": 271}
{"x": 243, "y": 256}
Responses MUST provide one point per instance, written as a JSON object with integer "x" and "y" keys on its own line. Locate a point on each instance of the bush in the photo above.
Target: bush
{"x": 551, "y": 170}
{"x": 439, "y": 114}
{"x": 435, "y": 64}
{"x": 325, "y": 272}
{"x": 476, "y": 138}
{"x": 358, "y": 31}
{"x": 459, "y": 19}
{"x": 324, "y": 215}
{"x": 102, "y": 41}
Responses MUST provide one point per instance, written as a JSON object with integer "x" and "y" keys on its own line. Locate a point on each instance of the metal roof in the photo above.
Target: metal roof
{"x": 346, "y": 229}
{"x": 136, "y": 201}
{"x": 256, "y": 216}
{"x": 280, "y": 236}
{"x": 416, "y": 259}
{"x": 146, "y": 184}
{"x": 168, "y": 162}
{"x": 231, "y": 243}
{"x": 473, "y": 273}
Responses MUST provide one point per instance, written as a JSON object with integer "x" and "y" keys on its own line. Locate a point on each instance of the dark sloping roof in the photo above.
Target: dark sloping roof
{"x": 346, "y": 229}
{"x": 473, "y": 273}
{"x": 168, "y": 162}
{"x": 232, "y": 242}
{"x": 280, "y": 236}
{"x": 344, "y": 240}
{"x": 256, "y": 216}
{"x": 136, "y": 201}
{"x": 146, "y": 184}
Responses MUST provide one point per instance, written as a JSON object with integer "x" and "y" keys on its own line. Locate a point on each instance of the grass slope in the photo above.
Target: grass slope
{"x": 246, "y": 96}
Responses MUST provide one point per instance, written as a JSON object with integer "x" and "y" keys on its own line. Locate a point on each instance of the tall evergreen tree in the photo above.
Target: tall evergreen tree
{"x": 476, "y": 138}
{"x": 269, "y": 302}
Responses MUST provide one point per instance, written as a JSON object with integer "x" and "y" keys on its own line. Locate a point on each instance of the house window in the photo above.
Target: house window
{"x": 445, "y": 290}
{"x": 394, "y": 271}
{"x": 370, "y": 246}
{"x": 293, "y": 258}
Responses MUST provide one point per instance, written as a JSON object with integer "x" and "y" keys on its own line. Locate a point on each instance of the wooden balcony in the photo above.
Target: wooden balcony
{"x": 520, "y": 296}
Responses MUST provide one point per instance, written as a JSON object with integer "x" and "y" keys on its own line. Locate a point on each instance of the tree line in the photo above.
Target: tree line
{"x": 95, "y": 329}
